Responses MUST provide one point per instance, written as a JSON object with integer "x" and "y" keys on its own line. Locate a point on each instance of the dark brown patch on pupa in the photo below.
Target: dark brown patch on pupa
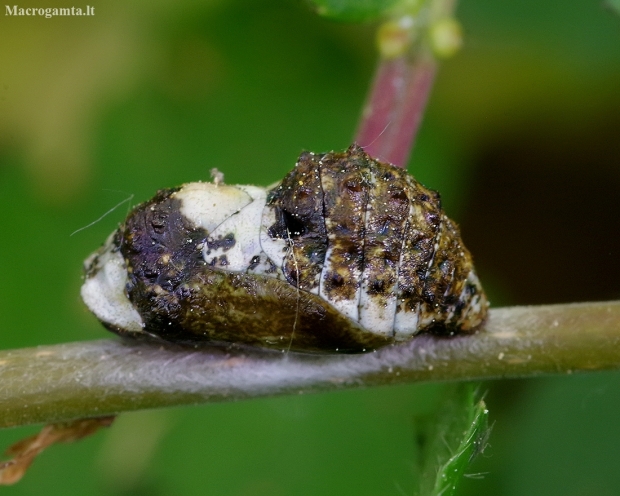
{"x": 386, "y": 221}
{"x": 298, "y": 204}
{"x": 346, "y": 180}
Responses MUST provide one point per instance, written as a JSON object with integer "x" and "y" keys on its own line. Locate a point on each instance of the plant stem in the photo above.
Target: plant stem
{"x": 393, "y": 112}
{"x": 404, "y": 77}
{"x": 95, "y": 378}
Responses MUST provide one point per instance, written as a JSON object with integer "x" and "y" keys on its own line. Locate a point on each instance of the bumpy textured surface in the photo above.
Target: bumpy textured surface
{"x": 377, "y": 245}
{"x": 346, "y": 254}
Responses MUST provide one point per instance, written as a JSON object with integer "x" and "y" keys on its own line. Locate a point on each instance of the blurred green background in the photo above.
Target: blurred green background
{"x": 522, "y": 138}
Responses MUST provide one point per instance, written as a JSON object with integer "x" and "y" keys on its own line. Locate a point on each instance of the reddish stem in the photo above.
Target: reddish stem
{"x": 395, "y": 106}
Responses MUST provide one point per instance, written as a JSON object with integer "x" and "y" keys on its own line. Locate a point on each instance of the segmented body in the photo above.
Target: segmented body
{"x": 345, "y": 254}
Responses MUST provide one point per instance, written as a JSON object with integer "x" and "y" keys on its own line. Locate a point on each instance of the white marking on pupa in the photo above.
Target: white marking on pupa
{"x": 104, "y": 291}
{"x": 206, "y": 205}
{"x": 244, "y": 228}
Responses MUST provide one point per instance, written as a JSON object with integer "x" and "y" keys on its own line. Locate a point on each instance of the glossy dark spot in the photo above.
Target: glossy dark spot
{"x": 428, "y": 295}
{"x": 471, "y": 289}
{"x": 288, "y": 226}
{"x": 376, "y": 287}
{"x": 254, "y": 262}
{"x": 353, "y": 186}
{"x": 335, "y": 280}
{"x": 352, "y": 249}
{"x": 293, "y": 276}
{"x": 158, "y": 222}
{"x": 303, "y": 194}
{"x": 398, "y": 197}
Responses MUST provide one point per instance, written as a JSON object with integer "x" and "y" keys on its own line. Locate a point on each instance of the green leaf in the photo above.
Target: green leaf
{"x": 451, "y": 439}
{"x": 354, "y": 10}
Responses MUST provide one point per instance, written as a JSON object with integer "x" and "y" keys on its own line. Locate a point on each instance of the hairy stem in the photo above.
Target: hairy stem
{"x": 96, "y": 378}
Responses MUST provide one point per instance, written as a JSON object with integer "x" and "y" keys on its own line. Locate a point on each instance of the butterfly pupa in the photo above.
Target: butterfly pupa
{"x": 346, "y": 254}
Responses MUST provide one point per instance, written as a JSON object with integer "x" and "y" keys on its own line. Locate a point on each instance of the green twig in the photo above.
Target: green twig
{"x": 95, "y": 378}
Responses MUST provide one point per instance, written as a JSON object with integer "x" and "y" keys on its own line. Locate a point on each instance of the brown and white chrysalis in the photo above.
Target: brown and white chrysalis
{"x": 346, "y": 254}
